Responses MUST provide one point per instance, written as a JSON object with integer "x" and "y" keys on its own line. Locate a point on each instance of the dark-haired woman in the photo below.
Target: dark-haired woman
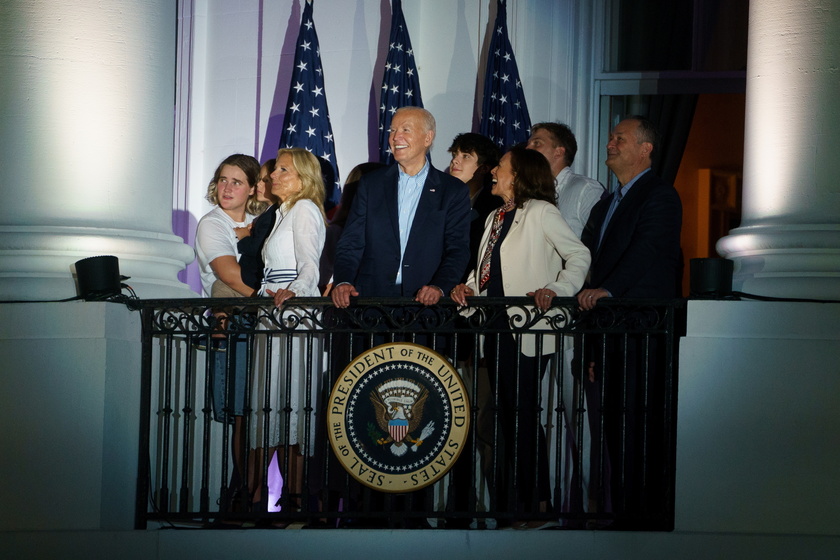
{"x": 527, "y": 249}
{"x": 252, "y": 237}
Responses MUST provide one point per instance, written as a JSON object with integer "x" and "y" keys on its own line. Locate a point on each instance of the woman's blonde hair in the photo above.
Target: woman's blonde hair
{"x": 311, "y": 181}
{"x": 251, "y": 168}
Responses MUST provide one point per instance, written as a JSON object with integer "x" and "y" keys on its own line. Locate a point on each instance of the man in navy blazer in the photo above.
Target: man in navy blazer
{"x": 637, "y": 253}
{"x": 634, "y": 238}
{"x": 407, "y": 235}
{"x": 408, "y": 229}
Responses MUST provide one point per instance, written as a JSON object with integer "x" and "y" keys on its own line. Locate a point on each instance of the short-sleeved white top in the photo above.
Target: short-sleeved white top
{"x": 215, "y": 238}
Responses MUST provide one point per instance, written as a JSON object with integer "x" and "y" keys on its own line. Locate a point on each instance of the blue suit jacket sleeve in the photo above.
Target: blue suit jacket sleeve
{"x": 351, "y": 244}
{"x": 440, "y": 236}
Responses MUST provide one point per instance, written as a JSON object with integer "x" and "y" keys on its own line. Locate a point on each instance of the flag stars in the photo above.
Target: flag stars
{"x": 308, "y": 24}
{"x": 399, "y": 85}
{"x": 302, "y": 66}
{"x": 505, "y": 78}
{"x": 314, "y": 112}
{"x": 295, "y": 107}
{"x": 318, "y": 91}
{"x": 298, "y": 87}
{"x": 311, "y": 132}
{"x": 306, "y": 45}
{"x": 291, "y": 129}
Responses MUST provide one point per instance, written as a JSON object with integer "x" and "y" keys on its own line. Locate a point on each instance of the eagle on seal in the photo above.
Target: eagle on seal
{"x": 398, "y": 404}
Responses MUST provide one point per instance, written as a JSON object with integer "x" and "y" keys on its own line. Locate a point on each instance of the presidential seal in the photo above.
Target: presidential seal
{"x": 398, "y": 417}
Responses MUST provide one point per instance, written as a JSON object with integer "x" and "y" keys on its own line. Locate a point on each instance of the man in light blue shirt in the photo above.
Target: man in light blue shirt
{"x": 408, "y": 229}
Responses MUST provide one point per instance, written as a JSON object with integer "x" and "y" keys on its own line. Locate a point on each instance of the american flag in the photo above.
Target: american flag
{"x": 307, "y": 120}
{"x": 400, "y": 86}
{"x": 504, "y": 114}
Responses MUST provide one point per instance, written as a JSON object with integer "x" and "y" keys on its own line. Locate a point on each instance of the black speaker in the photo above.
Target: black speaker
{"x": 99, "y": 277}
{"x": 711, "y": 278}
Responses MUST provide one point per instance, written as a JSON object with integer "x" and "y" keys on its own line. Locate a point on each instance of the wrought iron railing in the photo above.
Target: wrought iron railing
{"x": 605, "y": 402}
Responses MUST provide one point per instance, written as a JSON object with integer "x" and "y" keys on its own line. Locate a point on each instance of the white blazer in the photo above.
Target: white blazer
{"x": 539, "y": 251}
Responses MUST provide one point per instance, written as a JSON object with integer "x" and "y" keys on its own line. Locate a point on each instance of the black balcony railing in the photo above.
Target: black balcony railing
{"x": 236, "y": 395}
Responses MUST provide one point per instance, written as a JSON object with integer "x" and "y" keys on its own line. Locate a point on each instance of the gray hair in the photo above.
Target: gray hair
{"x": 428, "y": 118}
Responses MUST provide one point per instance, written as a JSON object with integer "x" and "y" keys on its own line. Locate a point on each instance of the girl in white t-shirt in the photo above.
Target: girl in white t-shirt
{"x": 232, "y": 190}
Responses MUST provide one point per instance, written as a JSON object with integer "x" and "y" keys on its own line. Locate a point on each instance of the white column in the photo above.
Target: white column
{"x": 87, "y": 112}
{"x": 788, "y": 244}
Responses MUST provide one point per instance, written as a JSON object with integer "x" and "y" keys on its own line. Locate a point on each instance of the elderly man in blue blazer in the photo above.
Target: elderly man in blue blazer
{"x": 408, "y": 229}
{"x": 634, "y": 238}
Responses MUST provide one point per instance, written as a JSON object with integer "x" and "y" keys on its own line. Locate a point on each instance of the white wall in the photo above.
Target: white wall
{"x": 758, "y": 422}
{"x": 239, "y": 55}
{"x": 69, "y": 407}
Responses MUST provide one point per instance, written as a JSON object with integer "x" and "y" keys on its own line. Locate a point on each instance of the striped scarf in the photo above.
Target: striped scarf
{"x": 496, "y": 230}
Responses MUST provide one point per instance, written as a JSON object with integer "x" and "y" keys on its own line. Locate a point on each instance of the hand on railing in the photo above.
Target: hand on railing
{"x": 589, "y": 297}
{"x": 460, "y": 293}
{"x": 429, "y": 295}
{"x": 543, "y": 297}
{"x": 281, "y": 296}
{"x": 341, "y": 294}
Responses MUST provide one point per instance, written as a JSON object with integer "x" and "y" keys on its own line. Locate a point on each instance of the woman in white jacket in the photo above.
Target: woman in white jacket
{"x": 527, "y": 249}
{"x": 285, "y": 395}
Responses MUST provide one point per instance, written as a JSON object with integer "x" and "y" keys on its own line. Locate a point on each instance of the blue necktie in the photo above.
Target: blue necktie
{"x": 613, "y": 205}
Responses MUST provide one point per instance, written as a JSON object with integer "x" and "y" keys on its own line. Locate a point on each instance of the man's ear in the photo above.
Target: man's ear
{"x": 560, "y": 151}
